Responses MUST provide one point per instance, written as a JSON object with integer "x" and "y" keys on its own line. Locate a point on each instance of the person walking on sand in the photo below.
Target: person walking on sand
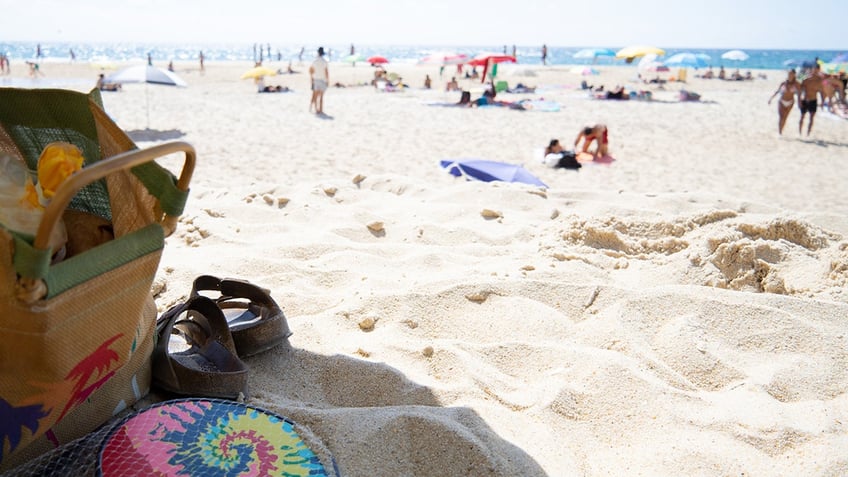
{"x": 320, "y": 76}
{"x": 808, "y": 96}
{"x": 787, "y": 91}
{"x": 598, "y": 134}
{"x": 544, "y": 54}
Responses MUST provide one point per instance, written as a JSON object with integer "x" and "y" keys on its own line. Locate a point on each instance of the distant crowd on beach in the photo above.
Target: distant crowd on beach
{"x": 735, "y": 76}
{"x": 808, "y": 87}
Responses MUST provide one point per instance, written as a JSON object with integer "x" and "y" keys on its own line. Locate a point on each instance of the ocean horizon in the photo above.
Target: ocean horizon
{"x": 403, "y": 54}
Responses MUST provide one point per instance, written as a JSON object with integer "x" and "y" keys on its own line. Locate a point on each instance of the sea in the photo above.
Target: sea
{"x": 409, "y": 54}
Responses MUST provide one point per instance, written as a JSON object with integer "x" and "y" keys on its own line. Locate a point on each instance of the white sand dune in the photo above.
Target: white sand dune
{"x": 681, "y": 311}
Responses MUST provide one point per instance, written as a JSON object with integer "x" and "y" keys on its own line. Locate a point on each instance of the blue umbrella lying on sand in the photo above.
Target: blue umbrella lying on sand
{"x": 488, "y": 171}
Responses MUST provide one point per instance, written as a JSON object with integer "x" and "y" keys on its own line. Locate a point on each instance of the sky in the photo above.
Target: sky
{"x": 755, "y": 24}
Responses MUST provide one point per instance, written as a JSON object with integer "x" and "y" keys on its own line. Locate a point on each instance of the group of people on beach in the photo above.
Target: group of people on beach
{"x": 556, "y": 156}
{"x": 722, "y": 75}
{"x": 830, "y": 88}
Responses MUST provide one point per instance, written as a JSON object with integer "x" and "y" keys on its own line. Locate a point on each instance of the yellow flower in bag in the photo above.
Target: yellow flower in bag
{"x": 58, "y": 161}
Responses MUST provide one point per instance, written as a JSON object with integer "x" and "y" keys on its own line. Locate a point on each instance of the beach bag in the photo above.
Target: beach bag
{"x": 568, "y": 160}
{"x": 77, "y": 319}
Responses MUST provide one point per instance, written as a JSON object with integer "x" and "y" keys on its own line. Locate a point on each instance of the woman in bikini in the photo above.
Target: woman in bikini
{"x": 787, "y": 91}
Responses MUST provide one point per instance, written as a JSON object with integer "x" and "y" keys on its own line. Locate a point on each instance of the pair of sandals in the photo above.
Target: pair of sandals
{"x": 242, "y": 321}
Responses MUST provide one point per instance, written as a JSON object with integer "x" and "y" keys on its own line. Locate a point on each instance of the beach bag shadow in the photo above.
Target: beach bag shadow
{"x": 77, "y": 320}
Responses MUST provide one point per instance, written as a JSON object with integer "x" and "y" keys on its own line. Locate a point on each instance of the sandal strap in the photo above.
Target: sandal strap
{"x": 268, "y": 331}
{"x": 206, "y": 331}
{"x": 233, "y": 288}
{"x": 208, "y": 319}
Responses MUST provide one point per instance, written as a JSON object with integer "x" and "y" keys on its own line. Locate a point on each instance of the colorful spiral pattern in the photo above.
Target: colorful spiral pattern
{"x": 206, "y": 437}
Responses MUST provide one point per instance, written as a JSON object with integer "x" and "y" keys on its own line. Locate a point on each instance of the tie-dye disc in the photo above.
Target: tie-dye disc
{"x": 206, "y": 437}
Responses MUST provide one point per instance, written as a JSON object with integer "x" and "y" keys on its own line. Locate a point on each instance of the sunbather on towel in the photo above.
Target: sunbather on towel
{"x": 556, "y": 156}
{"x": 102, "y": 85}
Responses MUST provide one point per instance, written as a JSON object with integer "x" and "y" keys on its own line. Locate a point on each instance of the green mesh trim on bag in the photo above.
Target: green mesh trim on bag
{"x": 162, "y": 185}
{"x": 35, "y": 118}
{"x": 28, "y": 261}
{"x": 113, "y": 254}
{"x": 95, "y": 96}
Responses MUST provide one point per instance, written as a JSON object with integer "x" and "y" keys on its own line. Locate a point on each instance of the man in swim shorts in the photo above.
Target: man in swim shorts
{"x": 320, "y": 76}
{"x": 808, "y": 97}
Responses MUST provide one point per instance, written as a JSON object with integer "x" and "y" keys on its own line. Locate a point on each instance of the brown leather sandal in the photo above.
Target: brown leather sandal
{"x": 209, "y": 367}
{"x": 256, "y": 321}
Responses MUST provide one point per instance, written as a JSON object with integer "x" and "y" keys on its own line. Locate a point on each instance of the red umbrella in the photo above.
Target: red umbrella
{"x": 377, "y": 60}
{"x": 484, "y": 59}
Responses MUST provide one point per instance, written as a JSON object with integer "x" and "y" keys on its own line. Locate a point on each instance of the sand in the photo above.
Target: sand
{"x": 680, "y": 311}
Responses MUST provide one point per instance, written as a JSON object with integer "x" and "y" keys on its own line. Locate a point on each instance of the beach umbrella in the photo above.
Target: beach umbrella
{"x": 637, "y": 51}
{"x": 377, "y": 60}
{"x": 488, "y": 171}
{"x": 735, "y": 55}
{"x": 649, "y": 62}
{"x": 148, "y": 75}
{"x": 833, "y": 68}
{"x": 258, "y": 72}
{"x": 685, "y": 60}
{"x": 483, "y": 59}
{"x": 593, "y": 53}
{"x": 443, "y": 58}
{"x": 840, "y": 58}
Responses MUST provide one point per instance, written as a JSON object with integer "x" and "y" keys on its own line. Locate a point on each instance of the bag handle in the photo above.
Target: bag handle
{"x": 68, "y": 189}
{"x": 29, "y": 289}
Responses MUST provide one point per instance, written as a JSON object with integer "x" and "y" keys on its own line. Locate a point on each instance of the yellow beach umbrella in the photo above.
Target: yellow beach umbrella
{"x": 637, "y": 51}
{"x": 258, "y": 71}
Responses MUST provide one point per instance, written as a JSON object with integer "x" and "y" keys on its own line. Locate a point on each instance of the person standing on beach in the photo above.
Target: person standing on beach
{"x": 201, "y": 61}
{"x": 787, "y": 91}
{"x": 808, "y": 97}
{"x": 320, "y": 76}
{"x": 544, "y": 54}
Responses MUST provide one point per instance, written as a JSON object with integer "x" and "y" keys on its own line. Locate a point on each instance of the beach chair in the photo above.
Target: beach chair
{"x": 77, "y": 317}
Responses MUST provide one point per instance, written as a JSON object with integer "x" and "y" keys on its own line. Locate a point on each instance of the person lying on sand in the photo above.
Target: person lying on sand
{"x": 557, "y": 157}
{"x": 275, "y": 89}
{"x": 102, "y": 85}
